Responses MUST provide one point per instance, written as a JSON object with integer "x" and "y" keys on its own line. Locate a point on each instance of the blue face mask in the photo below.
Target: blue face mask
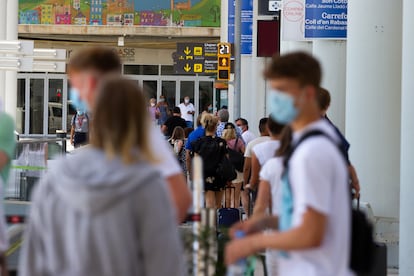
{"x": 76, "y": 101}
{"x": 282, "y": 107}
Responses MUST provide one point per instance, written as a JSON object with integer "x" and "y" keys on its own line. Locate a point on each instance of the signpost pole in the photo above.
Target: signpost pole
{"x": 237, "y": 58}
{"x": 3, "y": 25}
{"x": 11, "y": 76}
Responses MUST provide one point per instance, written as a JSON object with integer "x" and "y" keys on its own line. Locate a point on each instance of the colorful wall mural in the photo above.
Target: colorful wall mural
{"x": 196, "y": 13}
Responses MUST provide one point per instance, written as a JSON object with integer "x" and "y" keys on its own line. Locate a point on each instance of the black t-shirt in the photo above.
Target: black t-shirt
{"x": 174, "y": 122}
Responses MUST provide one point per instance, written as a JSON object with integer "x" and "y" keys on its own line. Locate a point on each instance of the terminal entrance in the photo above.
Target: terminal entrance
{"x": 43, "y": 106}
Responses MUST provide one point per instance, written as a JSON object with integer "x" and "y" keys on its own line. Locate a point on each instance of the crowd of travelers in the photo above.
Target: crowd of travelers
{"x": 113, "y": 207}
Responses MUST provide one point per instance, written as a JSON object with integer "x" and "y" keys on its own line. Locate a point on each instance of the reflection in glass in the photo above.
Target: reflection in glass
{"x": 37, "y": 88}
{"x": 141, "y": 69}
{"x": 21, "y": 106}
{"x": 187, "y": 90}
{"x": 71, "y": 111}
{"x": 168, "y": 91}
{"x": 150, "y": 89}
{"x": 55, "y": 106}
{"x": 206, "y": 96}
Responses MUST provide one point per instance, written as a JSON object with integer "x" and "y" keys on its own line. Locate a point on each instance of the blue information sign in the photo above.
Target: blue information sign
{"x": 326, "y": 19}
{"x": 246, "y": 25}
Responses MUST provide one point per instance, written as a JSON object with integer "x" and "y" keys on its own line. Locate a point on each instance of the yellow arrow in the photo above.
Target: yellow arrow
{"x": 187, "y": 51}
{"x": 187, "y": 68}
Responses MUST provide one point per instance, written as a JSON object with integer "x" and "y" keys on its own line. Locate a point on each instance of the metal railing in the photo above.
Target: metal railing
{"x": 30, "y": 163}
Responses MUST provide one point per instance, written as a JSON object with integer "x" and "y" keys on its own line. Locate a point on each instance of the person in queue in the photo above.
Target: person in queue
{"x": 313, "y": 226}
{"x": 192, "y": 137}
{"x": 324, "y": 101}
{"x": 236, "y": 144}
{"x": 212, "y": 150}
{"x": 264, "y": 136}
{"x": 94, "y": 219}
{"x": 87, "y": 68}
{"x": 7, "y": 148}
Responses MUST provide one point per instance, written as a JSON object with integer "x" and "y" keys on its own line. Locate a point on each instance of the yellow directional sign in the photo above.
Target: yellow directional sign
{"x": 187, "y": 68}
{"x": 187, "y": 51}
{"x": 195, "y": 58}
{"x": 223, "y": 58}
{"x": 198, "y": 51}
{"x": 198, "y": 68}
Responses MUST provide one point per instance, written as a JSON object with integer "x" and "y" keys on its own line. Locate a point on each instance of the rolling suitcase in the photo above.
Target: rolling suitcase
{"x": 227, "y": 216}
{"x": 379, "y": 266}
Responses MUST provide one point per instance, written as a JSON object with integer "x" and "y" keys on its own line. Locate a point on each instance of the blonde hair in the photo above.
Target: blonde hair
{"x": 209, "y": 122}
{"x": 229, "y": 134}
{"x": 120, "y": 123}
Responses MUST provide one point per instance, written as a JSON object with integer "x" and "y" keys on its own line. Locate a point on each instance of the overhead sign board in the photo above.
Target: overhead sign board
{"x": 314, "y": 19}
{"x": 326, "y": 19}
{"x": 195, "y": 58}
{"x": 246, "y": 43}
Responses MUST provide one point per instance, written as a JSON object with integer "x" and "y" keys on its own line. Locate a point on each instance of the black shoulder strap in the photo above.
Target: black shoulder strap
{"x": 308, "y": 135}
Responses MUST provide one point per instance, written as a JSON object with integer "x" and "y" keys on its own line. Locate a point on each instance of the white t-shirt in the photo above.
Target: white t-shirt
{"x": 265, "y": 151}
{"x": 184, "y": 111}
{"x": 249, "y": 148}
{"x": 168, "y": 164}
{"x": 319, "y": 179}
{"x": 248, "y": 136}
{"x": 272, "y": 172}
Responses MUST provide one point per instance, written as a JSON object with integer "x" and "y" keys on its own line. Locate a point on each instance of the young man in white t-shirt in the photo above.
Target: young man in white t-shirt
{"x": 314, "y": 219}
{"x": 187, "y": 112}
{"x": 87, "y": 68}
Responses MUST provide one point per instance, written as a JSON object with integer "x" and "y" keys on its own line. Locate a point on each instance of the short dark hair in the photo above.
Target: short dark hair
{"x": 299, "y": 66}
{"x": 274, "y": 127}
{"x": 324, "y": 98}
{"x": 263, "y": 124}
{"x": 176, "y": 110}
{"x": 244, "y": 121}
{"x": 101, "y": 59}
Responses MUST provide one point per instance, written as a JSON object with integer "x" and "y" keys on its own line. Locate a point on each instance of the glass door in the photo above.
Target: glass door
{"x": 169, "y": 91}
{"x": 36, "y": 105}
{"x": 55, "y": 107}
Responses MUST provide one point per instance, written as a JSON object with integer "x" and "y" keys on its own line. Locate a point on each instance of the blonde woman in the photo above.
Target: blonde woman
{"x": 212, "y": 150}
{"x": 90, "y": 215}
{"x": 236, "y": 144}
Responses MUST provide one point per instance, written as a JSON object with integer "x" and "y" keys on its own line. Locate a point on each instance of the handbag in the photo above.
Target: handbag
{"x": 236, "y": 157}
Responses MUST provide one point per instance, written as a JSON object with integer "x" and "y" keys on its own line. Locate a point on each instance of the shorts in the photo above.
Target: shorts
{"x": 80, "y": 139}
{"x": 214, "y": 184}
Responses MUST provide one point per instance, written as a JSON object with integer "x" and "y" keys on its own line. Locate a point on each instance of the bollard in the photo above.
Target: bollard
{"x": 61, "y": 134}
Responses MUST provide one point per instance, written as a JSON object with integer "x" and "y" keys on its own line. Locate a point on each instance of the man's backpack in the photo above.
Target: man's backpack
{"x": 236, "y": 157}
{"x": 362, "y": 242}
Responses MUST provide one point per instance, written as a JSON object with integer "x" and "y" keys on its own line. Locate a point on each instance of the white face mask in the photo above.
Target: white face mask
{"x": 187, "y": 101}
{"x": 152, "y": 104}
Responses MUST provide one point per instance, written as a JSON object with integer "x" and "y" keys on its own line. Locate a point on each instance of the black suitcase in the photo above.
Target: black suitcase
{"x": 379, "y": 267}
{"x": 226, "y": 216}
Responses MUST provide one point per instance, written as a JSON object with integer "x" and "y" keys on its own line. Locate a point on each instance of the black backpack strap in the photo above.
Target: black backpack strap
{"x": 306, "y": 136}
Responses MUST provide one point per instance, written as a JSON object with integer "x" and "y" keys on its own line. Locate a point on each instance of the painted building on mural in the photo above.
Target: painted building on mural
{"x": 29, "y": 17}
{"x": 96, "y": 11}
{"x": 63, "y": 15}
{"x": 76, "y": 4}
{"x": 196, "y": 13}
{"x": 47, "y": 14}
{"x": 79, "y": 19}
